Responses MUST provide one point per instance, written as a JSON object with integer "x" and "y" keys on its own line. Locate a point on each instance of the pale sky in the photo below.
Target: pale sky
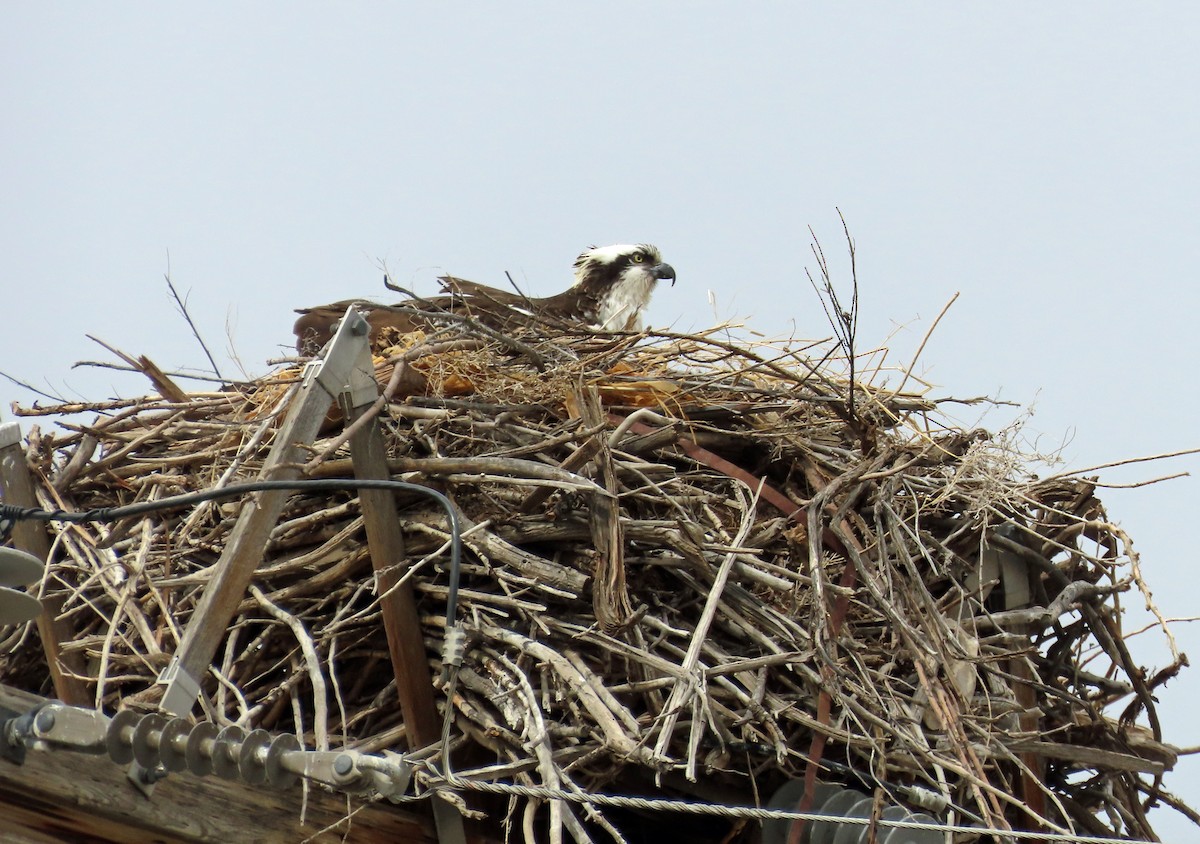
{"x": 1039, "y": 160}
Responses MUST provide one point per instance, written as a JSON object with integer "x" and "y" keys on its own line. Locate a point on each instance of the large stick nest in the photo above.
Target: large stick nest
{"x": 694, "y": 564}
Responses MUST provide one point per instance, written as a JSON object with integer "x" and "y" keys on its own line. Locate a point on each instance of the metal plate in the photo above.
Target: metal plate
{"x": 18, "y": 607}
{"x": 119, "y": 738}
{"x": 912, "y": 836}
{"x": 172, "y": 745}
{"x": 855, "y": 833}
{"x": 18, "y": 568}
{"x": 790, "y": 796}
{"x": 199, "y": 751}
{"x": 226, "y": 747}
{"x": 277, "y": 775}
{"x": 822, "y": 832}
{"x": 145, "y": 740}
{"x": 252, "y": 760}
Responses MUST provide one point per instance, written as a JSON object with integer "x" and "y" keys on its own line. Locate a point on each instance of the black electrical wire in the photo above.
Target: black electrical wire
{"x": 12, "y": 513}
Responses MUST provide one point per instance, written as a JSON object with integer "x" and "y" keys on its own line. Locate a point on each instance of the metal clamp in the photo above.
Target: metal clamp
{"x": 10, "y": 434}
{"x": 54, "y": 724}
{"x": 347, "y": 365}
{"x": 182, "y": 687}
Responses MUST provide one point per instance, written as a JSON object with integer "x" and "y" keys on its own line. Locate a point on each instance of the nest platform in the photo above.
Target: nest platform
{"x": 698, "y": 566}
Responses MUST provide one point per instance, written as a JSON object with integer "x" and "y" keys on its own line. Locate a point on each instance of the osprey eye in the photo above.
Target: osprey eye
{"x": 637, "y": 258}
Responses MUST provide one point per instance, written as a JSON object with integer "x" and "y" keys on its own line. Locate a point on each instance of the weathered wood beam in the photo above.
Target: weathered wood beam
{"x": 401, "y": 622}
{"x": 244, "y": 549}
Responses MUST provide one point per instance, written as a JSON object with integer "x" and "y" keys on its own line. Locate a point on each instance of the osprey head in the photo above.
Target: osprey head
{"x": 620, "y": 279}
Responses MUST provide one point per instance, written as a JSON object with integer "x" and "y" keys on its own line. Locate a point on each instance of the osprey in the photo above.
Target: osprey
{"x": 612, "y": 287}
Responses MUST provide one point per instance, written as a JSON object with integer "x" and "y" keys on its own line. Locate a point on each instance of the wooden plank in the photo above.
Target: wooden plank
{"x": 401, "y": 623}
{"x": 1090, "y": 757}
{"x": 65, "y": 668}
{"x": 60, "y": 795}
{"x": 323, "y": 382}
{"x": 1032, "y": 779}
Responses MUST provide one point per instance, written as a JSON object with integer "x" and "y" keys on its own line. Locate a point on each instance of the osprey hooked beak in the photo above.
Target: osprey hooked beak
{"x": 663, "y": 271}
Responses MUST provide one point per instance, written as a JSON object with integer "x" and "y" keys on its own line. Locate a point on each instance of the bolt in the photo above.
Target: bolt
{"x": 343, "y": 765}
{"x": 152, "y": 775}
{"x": 359, "y": 327}
{"x": 45, "y": 721}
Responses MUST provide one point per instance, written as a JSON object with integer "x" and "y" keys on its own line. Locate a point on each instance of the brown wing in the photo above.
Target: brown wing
{"x": 497, "y": 308}
{"x": 472, "y": 293}
{"x": 572, "y": 304}
{"x": 315, "y": 326}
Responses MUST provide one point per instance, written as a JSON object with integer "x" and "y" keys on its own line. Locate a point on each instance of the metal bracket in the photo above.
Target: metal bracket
{"x": 182, "y": 687}
{"x": 10, "y": 434}
{"x": 51, "y": 724}
{"x": 1009, "y": 569}
{"x": 348, "y": 365}
{"x": 73, "y": 727}
{"x": 352, "y": 772}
